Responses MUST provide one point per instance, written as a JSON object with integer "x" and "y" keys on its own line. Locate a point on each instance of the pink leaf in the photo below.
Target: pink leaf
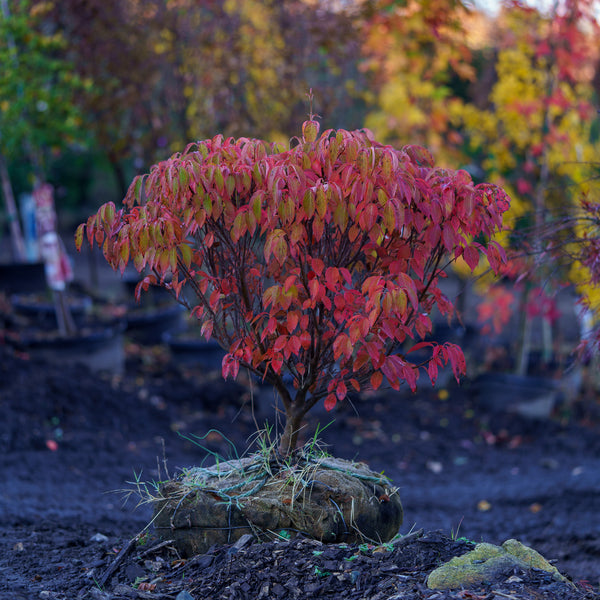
{"x": 471, "y": 256}
{"x": 341, "y": 390}
{"x": 330, "y": 402}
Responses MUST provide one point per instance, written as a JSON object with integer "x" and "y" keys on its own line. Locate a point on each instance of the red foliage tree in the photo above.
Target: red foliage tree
{"x": 321, "y": 261}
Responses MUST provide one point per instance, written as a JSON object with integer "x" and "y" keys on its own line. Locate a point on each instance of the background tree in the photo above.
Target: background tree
{"x": 417, "y": 55}
{"x": 119, "y": 47}
{"x": 240, "y": 66}
{"x": 533, "y": 136}
{"x": 245, "y": 65}
{"x": 38, "y": 116}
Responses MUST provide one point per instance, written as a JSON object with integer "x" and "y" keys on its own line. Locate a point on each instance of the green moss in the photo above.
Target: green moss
{"x": 486, "y": 563}
{"x": 530, "y": 557}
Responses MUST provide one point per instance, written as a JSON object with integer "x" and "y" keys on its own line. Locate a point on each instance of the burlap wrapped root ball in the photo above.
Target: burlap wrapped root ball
{"x": 328, "y": 499}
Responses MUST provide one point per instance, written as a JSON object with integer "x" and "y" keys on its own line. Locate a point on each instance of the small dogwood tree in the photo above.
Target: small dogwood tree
{"x": 320, "y": 261}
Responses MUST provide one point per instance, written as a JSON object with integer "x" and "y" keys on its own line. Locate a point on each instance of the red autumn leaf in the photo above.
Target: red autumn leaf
{"x": 423, "y": 325}
{"x": 305, "y": 340}
{"x": 206, "y": 329}
{"x": 332, "y": 276}
{"x": 318, "y": 229}
{"x": 341, "y": 390}
{"x": 410, "y": 375}
{"x": 292, "y": 321}
{"x": 316, "y": 290}
{"x": 342, "y": 346}
{"x": 471, "y": 256}
{"x": 294, "y": 345}
{"x": 280, "y": 343}
{"x": 230, "y": 366}
{"x": 456, "y": 358}
{"x": 432, "y": 371}
{"x": 276, "y": 363}
{"x": 376, "y": 380}
{"x": 420, "y": 345}
{"x": 330, "y": 402}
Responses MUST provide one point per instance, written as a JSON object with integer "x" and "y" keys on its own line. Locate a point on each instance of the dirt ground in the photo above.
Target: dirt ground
{"x": 71, "y": 443}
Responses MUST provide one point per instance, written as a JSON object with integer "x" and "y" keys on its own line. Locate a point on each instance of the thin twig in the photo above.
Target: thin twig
{"x": 156, "y": 548}
{"x": 509, "y": 596}
{"x": 408, "y": 538}
{"x": 125, "y": 550}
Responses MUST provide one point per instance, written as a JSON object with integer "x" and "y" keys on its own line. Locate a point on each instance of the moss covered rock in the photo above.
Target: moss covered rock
{"x": 488, "y": 562}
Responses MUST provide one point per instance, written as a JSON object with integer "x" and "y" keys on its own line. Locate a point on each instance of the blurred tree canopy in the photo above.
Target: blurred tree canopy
{"x": 138, "y": 79}
{"x": 38, "y": 113}
{"x": 421, "y": 64}
{"x": 165, "y": 72}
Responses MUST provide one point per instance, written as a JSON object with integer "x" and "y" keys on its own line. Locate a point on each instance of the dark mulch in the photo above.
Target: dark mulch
{"x": 68, "y": 438}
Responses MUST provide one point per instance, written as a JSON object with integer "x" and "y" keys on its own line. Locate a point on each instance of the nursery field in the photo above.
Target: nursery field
{"x": 70, "y": 441}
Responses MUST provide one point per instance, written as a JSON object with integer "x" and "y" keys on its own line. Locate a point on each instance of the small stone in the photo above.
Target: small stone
{"x": 184, "y": 595}
{"x": 244, "y": 541}
{"x": 153, "y": 565}
{"x": 531, "y": 558}
{"x": 124, "y": 590}
{"x": 434, "y": 466}
{"x": 99, "y": 537}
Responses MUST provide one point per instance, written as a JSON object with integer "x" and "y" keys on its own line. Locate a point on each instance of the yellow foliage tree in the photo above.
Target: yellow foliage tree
{"x": 417, "y": 54}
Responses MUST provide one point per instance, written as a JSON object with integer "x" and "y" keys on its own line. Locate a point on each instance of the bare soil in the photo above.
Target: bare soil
{"x": 70, "y": 441}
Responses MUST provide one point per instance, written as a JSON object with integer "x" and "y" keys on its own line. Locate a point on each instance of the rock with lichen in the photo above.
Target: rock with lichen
{"x": 488, "y": 562}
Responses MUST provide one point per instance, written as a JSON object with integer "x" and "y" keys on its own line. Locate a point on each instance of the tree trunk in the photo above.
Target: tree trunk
{"x": 66, "y": 325}
{"x": 524, "y": 338}
{"x": 289, "y": 437}
{"x": 13, "y": 217}
{"x": 119, "y": 172}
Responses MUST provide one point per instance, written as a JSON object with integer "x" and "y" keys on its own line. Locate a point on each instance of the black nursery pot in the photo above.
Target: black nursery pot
{"x": 96, "y": 346}
{"x": 22, "y": 278}
{"x": 188, "y": 348}
{"x": 526, "y": 395}
{"x": 41, "y": 311}
{"x": 147, "y": 325}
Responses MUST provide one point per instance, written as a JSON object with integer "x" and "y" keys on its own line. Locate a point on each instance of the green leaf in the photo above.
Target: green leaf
{"x": 186, "y": 254}
{"x": 308, "y": 203}
{"x": 79, "y": 236}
